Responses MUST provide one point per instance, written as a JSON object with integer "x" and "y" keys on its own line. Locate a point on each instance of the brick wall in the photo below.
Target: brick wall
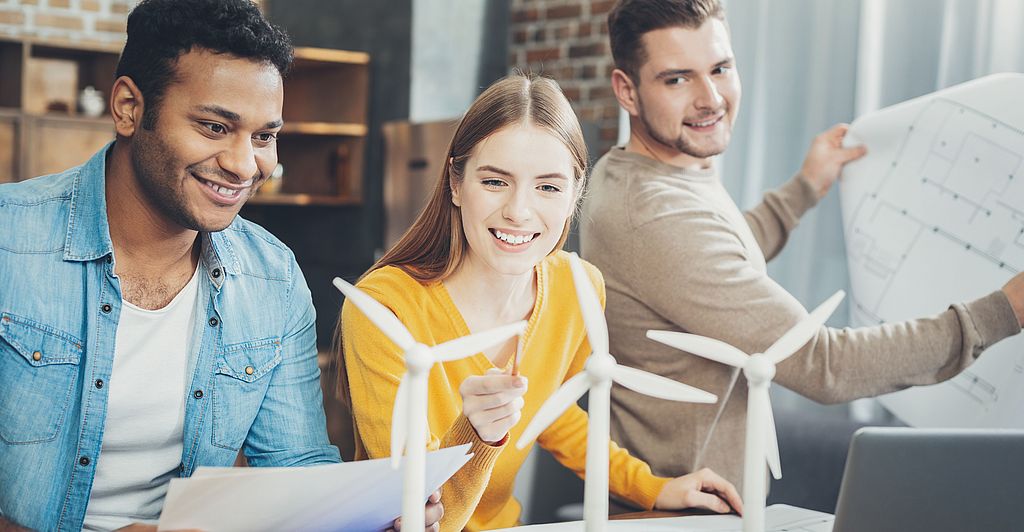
{"x": 568, "y": 41}
{"x": 87, "y": 21}
{"x": 90, "y": 21}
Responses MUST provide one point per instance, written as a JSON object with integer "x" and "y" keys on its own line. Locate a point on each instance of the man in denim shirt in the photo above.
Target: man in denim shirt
{"x": 145, "y": 329}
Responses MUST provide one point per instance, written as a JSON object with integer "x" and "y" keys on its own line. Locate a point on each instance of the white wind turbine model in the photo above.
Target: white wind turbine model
{"x": 597, "y": 376}
{"x": 759, "y": 369}
{"x": 409, "y": 419}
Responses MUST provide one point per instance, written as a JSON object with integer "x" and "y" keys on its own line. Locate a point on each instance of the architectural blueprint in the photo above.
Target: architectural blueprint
{"x": 933, "y": 215}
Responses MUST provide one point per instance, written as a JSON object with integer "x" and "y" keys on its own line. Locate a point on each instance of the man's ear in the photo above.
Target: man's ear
{"x": 625, "y": 92}
{"x": 126, "y": 106}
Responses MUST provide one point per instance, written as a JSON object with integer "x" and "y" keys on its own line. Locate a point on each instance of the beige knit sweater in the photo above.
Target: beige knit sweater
{"x": 677, "y": 254}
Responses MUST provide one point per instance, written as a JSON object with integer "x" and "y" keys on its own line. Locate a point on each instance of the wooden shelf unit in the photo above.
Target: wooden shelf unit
{"x": 41, "y": 130}
{"x": 321, "y": 145}
{"x": 323, "y": 141}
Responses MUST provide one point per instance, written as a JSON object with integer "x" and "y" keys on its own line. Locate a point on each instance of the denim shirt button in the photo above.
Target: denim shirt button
{"x": 84, "y": 460}
{"x": 37, "y": 356}
{"x": 110, "y": 259}
{"x": 106, "y": 308}
{"x": 198, "y": 394}
{"x": 215, "y": 273}
{"x": 249, "y": 370}
{"x": 99, "y": 383}
{"x": 214, "y": 322}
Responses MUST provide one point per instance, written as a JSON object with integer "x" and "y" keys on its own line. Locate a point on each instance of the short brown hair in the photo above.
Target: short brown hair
{"x": 629, "y": 20}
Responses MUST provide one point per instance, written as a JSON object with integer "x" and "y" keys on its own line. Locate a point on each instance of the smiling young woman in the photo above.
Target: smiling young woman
{"x": 486, "y": 251}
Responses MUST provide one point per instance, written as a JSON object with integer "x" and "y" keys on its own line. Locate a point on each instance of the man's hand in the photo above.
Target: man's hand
{"x": 703, "y": 489}
{"x": 493, "y": 403}
{"x": 1014, "y": 291}
{"x": 826, "y": 157}
{"x": 432, "y": 515}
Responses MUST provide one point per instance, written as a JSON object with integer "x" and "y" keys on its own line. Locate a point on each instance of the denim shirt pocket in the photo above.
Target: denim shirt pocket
{"x": 241, "y": 381}
{"x": 40, "y": 366}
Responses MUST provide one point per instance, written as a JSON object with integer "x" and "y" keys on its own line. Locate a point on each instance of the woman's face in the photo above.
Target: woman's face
{"x": 517, "y": 193}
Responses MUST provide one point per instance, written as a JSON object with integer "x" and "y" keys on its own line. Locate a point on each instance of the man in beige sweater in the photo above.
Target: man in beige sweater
{"x": 677, "y": 254}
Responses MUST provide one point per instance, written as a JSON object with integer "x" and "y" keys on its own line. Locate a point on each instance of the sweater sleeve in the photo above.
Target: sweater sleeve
{"x": 566, "y": 440}
{"x": 778, "y": 213}
{"x": 706, "y": 285}
{"x": 374, "y": 366}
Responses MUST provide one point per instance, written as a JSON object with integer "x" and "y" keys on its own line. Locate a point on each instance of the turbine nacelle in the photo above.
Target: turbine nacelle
{"x": 600, "y": 367}
{"x": 759, "y": 370}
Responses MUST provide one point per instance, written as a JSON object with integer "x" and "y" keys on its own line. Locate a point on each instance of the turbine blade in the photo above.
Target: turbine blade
{"x": 772, "y": 441}
{"x": 590, "y": 306}
{"x": 381, "y": 316}
{"x": 701, "y": 346}
{"x": 660, "y": 387}
{"x": 474, "y": 343}
{"x": 400, "y": 421}
{"x": 559, "y": 401}
{"x": 802, "y": 332}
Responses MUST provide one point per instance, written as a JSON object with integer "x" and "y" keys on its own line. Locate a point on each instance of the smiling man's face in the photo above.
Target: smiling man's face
{"x": 689, "y": 91}
{"x": 214, "y": 140}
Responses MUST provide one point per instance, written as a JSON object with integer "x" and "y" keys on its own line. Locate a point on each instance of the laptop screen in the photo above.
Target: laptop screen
{"x": 905, "y": 479}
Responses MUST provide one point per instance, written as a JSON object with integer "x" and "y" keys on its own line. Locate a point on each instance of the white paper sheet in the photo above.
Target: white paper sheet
{"x": 778, "y": 518}
{"x": 934, "y": 215}
{"x": 353, "y": 496}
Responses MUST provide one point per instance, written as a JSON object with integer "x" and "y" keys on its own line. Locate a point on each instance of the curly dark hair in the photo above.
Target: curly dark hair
{"x": 629, "y": 20}
{"x": 160, "y": 31}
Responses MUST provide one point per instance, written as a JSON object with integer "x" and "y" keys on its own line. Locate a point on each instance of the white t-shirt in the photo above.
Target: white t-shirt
{"x": 142, "y": 436}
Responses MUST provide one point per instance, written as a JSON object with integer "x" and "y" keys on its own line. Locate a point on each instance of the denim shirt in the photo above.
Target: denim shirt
{"x": 254, "y": 383}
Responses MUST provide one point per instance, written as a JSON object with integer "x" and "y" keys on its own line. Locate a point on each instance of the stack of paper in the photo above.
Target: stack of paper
{"x": 353, "y": 496}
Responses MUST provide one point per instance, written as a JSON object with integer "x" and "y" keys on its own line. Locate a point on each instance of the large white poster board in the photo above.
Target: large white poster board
{"x": 934, "y": 214}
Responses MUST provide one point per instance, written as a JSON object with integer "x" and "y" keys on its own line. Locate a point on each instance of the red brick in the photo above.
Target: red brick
{"x": 59, "y": 3}
{"x": 29, "y": 2}
{"x": 63, "y": 22}
{"x": 543, "y": 54}
{"x": 525, "y": 15}
{"x": 90, "y": 5}
{"x": 588, "y": 72}
{"x": 12, "y": 17}
{"x": 609, "y": 133}
{"x": 539, "y": 35}
{"x": 119, "y": 7}
{"x": 563, "y": 32}
{"x": 601, "y": 7}
{"x": 601, "y": 91}
{"x": 573, "y": 94}
{"x": 519, "y": 36}
{"x": 584, "y": 29}
{"x": 112, "y": 25}
{"x": 597, "y": 49}
{"x": 567, "y": 11}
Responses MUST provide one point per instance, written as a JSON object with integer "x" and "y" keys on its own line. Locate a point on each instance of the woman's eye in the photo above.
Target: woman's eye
{"x": 549, "y": 188}
{"x": 493, "y": 182}
{"x": 266, "y": 137}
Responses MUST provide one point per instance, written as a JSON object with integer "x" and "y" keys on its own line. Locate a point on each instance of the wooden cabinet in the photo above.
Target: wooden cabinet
{"x": 321, "y": 146}
{"x": 41, "y": 128}
{"x": 323, "y": 140}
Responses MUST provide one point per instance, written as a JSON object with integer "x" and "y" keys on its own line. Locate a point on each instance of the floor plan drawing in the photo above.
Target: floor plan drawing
{"x": 934, "y": 215}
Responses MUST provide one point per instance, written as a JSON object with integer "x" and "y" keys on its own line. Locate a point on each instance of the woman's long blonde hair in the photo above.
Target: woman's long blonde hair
{"x": 434, "y": 247}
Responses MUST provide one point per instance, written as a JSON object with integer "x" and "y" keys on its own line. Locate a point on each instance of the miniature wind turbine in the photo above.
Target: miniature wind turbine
{"x": 597, "y": 376}
{"x": 409, "y": 419}
{"x": 761, "y": 441}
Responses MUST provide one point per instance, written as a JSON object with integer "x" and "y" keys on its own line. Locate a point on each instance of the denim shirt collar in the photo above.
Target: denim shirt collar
{"x": 88, "y": 231}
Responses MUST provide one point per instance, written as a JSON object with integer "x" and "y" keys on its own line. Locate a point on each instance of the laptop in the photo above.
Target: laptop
{"x": 935, "y": 480}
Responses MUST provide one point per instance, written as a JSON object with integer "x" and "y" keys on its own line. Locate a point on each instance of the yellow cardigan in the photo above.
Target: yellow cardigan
{"x": 555, "y": 347}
